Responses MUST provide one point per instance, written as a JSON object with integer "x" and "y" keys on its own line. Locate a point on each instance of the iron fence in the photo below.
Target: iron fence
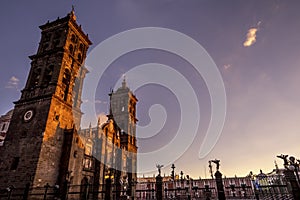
{"x": 261, "y": 188}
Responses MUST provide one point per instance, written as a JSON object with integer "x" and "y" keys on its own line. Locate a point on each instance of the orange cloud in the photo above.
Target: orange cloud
{"x": 251, "y": 37}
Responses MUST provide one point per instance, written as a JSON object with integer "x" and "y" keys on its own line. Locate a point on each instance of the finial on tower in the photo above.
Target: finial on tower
{"x": 72, "y": 13}
{"x": 124, "y": 85}
{"x": 110, "y": 115}
{"x": 99, "y": 121}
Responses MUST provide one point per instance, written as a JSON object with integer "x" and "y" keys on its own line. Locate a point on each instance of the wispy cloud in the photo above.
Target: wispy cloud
{"x": 227, "y": 66}
{"x": 251, "y": 35}
{"x": 102, "y": 118}
{"x": 13, "y": 83}
{"x": 98, "y": 101}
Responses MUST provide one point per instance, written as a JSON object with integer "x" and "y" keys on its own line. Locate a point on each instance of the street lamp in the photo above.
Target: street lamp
{"x": 173, "y": 177}
{"x": 173, "y": 172}
{"x": 254, "y": 184}
{"x": 182, "y": 178}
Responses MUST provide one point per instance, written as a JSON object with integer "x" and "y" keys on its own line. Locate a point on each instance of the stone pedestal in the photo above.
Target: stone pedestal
{"x": 159, "y": 187}
{"x": 292, "y": 181}
{"x": 220, "y": 186}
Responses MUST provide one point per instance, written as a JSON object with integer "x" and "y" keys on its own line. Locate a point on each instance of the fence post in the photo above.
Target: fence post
{"x": 207, "y": 192}
{"x": 26, "y": 191}
{"x": 56, "y": 191}
{"x": 107, "y": 189}
{"x": 64, "y": 190}
{"x": 9, "y": 190}
{"x": 118, "y": 189}
{"x": 46, "y": 190}
{"x": 159, "y": 190}
{"x": 87, "y": 191}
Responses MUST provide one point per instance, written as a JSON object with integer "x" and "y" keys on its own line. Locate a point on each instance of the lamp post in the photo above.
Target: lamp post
{"x": 173, "y": 172}
{"x": 256, "y": 194}
{"x": 232, "y": 187}
{"x": 181, "y": 183}
{"x": 188, "y": 183}
{"x": 124, "y": 183}
{"x": 108, "y": 185}
{"x": 243, "y": 185}
{"x": 173, "y": 178}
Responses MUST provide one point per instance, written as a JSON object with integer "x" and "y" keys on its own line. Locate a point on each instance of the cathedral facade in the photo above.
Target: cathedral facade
{"x": 114, "y": 148}
{"x": 44, "y": 142}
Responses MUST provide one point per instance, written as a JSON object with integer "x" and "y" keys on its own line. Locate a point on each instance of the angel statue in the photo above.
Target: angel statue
{"x": 284, "y": 158}
{"x": 217, "y": 162}
{"x": 158, "y": 168}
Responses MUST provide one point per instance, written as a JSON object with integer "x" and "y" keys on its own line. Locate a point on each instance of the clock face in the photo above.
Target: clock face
{"x": 28, "y": 115}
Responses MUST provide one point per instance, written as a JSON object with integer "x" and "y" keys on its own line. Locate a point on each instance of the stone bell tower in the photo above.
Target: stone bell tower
{"x": 123, "y": 106}
{"x": 49, "y": 105}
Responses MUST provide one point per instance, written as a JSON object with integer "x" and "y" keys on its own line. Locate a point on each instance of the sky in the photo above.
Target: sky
{"x": 254, "y": 46}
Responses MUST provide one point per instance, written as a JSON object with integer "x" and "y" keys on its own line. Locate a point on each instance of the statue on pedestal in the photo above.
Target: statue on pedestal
{"x": 158, "y": 168}
{"x": 217, "y": 162}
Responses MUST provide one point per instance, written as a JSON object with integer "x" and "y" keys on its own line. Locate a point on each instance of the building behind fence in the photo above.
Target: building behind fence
{"x": 261, "y": 186}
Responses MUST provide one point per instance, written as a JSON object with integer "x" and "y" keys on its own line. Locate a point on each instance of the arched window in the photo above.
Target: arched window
{"x": 48, "y": 75}
{"x": 71, "y": 49}
{"x": 81, "y": 47}
{"x": 73, "y": 38}
{"x": 76, "y": 91}
{"x": 67, "y": 77}
{"x": 66, "y": 82}
{"x": 79, "y": 57}
{"x": 35, "y": 78}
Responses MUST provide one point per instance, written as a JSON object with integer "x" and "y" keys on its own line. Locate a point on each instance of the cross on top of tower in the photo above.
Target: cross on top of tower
{"x": 124, "y": 85}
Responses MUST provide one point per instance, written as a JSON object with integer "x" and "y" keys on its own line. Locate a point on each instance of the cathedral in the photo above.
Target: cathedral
{"x": 44, "y": 143}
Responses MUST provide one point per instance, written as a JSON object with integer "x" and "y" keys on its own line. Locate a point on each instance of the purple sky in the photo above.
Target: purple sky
{"x": 260, "y": 74}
